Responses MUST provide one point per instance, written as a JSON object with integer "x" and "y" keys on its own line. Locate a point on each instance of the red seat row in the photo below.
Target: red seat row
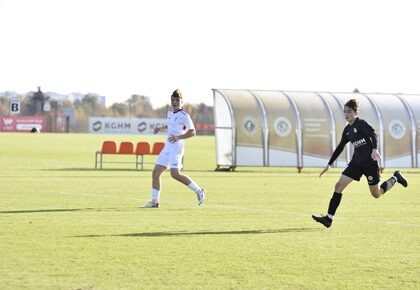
{"x": 141, "y": 149}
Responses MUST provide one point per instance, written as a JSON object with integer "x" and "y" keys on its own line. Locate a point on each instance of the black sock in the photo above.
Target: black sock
{"x": 386, "y": 185}
{"x": 334, "y": 203}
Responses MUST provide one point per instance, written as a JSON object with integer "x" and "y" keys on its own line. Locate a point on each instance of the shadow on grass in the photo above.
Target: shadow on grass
{"x": 94, "y": 169}
{"x": 54, "y": 210}
{"x": 170, "y": 234}
{"x": 115, "y": 169}
{"x": 239, "y": 173}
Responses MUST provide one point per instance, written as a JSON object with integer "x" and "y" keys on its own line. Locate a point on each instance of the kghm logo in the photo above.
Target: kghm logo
{"x": 249, "y": 125}
{"x": 141, "y": 126}
{"x": 117, "y": 126}
{"x": 359, "y": 143}
{"x": 282, "y": 126}
{"x": 396, "y": 129}
{"x": 97, "y": 126}
{"x": 7, "y": 121}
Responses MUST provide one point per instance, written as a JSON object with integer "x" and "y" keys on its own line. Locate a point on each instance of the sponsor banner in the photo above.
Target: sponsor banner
{"x": 316, "y": 137}
{"x": 397, "y": 137}
{"x": 204, "y": 127}
{"x": 22, "y": 123}
{"x": 282, "y": 128}
{"x": 249, "y": 122}
{"x": 248, "y": 119}
{"x": 124, "y": 126}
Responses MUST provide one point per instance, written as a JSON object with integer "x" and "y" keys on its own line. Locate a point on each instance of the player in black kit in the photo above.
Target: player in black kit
{"x": 364, "y": 161}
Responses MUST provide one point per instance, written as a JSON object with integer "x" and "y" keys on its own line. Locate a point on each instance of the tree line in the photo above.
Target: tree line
{"x": 137, "y": 106}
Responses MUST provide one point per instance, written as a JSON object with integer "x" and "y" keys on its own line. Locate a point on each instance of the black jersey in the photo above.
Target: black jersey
{"x": 364, "y": 140}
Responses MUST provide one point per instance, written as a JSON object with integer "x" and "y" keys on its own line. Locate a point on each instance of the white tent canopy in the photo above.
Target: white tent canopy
{"x": 301, "y": 129}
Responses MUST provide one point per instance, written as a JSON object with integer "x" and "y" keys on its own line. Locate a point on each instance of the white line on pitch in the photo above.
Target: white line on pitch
{"x": 219, "y": 206}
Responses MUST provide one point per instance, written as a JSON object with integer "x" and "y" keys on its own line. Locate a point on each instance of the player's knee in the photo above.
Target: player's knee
{"x": 156, "y": 173}
{"x": 175, "y": 174}
{"x": 339, "y": 187}
{"x": 376, "y": 192}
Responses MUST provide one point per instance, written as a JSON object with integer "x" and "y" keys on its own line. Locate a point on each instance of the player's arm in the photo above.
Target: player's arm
{"x": 160, "y": 129}
{"x": 336, "y": 152}
{"x": 370, "y": 132}
{"x": 376, "y": 155}
{"x": 190, "y": 133}
{"x": 189, "y": 126}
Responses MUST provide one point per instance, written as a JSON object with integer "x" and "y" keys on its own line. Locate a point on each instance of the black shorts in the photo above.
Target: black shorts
{"x": 355, "y": 172}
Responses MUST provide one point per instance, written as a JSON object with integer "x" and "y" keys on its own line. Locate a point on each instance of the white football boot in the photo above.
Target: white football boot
{"x": 201, "y": 196}
{"x": 151, "y": 204}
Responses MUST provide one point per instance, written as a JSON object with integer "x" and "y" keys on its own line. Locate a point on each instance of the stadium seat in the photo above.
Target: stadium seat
{"x": 142, "y": 148}
{"x": 126, "y": 148}
{"x": 108, "y": 147}
{"x": 157, "y": 147}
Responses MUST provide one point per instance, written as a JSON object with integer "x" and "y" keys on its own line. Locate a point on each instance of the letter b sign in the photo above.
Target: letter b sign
{"x": 15, "y": 106}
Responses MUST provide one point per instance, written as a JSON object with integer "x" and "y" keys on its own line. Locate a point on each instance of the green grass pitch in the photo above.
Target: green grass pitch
{"x": 65, "y": 225}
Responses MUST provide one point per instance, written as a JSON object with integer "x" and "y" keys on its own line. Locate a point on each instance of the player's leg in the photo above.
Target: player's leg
{"x": 342, "y": 183}
{"x": 377, "y": 191}
{"x": 160, "y": 165}
{"x": 177, "y": 175}
{"x": 373, "y": 178}
{"x": 157, "y": 172}
{"x": 400, "y": 178}
{"x": 156, "y": 185}
{"x": 175, "y": 166}
{"x": 336, "y": 198}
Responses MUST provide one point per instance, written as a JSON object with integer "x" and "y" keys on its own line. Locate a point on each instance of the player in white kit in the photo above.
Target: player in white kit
{"x": 179, "y": 127}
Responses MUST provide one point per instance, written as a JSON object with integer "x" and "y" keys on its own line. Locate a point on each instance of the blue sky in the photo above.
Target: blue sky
{"x": 124, "y": 47}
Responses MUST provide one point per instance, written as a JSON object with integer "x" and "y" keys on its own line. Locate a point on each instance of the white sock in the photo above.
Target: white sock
{"x": 155, "y": 194}
{"x": 396, "y": 179}
{"x": 330, "y": 216}
{"x": 194, "y": 187}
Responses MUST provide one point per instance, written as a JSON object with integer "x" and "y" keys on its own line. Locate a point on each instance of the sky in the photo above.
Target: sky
{"x": 118, "y": 48}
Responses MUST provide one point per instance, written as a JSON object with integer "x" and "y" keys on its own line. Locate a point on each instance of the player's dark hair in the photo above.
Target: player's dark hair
{"x": 177, "y": 94}
{"x": 353, "y": 104}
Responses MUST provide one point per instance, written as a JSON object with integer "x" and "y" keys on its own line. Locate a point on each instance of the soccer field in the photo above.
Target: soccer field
{"x": 65, "y": 225}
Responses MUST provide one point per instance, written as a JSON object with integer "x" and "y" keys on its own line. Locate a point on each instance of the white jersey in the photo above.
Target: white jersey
{"x": 178, "y": 124}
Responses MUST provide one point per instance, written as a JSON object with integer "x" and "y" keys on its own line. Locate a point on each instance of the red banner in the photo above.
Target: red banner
{"x": 204, "y": 127}
{"x": 22, "y": 123}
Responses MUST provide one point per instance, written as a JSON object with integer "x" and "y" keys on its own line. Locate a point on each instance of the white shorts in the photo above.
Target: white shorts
{"x": 170, "y": 160}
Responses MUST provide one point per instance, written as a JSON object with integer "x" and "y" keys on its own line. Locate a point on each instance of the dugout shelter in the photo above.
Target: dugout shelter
{"x": 302, "y": 129}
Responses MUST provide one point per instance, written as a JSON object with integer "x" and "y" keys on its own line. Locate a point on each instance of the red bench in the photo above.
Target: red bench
{"x": 143, "y": 148}
{"x": 127, "y": 148}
